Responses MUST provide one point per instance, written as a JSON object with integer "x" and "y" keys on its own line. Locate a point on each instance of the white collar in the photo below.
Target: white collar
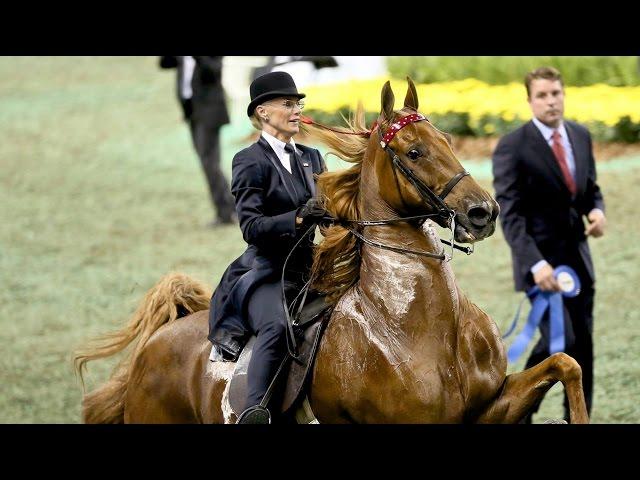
{"x": 276, "y": 144}
{"x": 547, "y": 131}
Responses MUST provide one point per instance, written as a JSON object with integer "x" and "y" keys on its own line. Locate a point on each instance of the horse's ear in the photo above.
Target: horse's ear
{"x": 388, "y": 101}
{"x": 411, "y": 100}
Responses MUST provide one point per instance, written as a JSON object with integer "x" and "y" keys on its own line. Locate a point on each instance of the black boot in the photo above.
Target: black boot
{"x": 257, "y": 415}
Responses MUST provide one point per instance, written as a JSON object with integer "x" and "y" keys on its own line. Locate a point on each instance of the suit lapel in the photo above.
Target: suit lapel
{"x": 273, "y": 158}
{"x": 542, "y": 148}
{"x": 579, "y": 157}
{"x": 307, "y": 168}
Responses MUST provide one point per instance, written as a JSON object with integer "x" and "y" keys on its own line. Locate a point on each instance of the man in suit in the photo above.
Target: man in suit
{"x": 201, "y": 96}
{"x": 545, "y": 182}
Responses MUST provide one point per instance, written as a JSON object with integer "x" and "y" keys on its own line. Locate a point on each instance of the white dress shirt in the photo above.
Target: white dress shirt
{"x": 188, "y": 65}
{"x": 278, "y": 147}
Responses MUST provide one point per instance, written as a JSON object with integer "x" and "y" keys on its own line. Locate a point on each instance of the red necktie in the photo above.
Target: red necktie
{"x": 558, "y": 151}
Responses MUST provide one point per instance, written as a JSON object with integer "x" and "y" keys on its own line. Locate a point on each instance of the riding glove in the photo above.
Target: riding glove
{"x": 311, "y": 211}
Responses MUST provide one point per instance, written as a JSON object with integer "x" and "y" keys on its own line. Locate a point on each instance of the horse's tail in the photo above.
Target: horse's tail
{"x": 174, "y": 296}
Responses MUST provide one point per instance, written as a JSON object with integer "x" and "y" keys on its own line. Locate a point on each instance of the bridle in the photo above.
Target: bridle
{"x": 442, "y": 210}
{"x": 428, "y": 195}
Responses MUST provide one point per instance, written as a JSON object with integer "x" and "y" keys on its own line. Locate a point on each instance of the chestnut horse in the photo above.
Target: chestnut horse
{"x": 403, "y": 344}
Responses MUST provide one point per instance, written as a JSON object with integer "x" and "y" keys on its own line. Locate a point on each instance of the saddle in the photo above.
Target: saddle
{"x": 308, "y": 330}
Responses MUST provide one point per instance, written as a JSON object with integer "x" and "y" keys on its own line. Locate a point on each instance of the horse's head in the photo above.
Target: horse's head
{"x": 418, "y": 173}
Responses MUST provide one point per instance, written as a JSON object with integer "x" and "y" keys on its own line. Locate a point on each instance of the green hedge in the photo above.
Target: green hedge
{"x": 576, "y": 71}
{"x": 459, "y": 123}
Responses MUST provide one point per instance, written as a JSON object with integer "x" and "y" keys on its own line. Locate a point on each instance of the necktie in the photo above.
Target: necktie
{"x": 289, "y": 149}
{"x": 292, "y": 156}
{"x": 296, "y": 170}
{"x": 558, "y": 151}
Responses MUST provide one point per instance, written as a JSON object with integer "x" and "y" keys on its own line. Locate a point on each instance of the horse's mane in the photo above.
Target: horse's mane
{"x": 336, "y": 261}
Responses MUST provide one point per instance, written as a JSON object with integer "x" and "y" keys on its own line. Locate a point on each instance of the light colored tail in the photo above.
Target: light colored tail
{"x": 174, "y": 296}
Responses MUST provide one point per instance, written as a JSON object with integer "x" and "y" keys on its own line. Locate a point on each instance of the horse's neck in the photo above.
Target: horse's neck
{"x": 410, "y": 291}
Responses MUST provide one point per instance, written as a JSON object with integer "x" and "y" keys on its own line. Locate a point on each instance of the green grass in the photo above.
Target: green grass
{"x": 101, "y": 194}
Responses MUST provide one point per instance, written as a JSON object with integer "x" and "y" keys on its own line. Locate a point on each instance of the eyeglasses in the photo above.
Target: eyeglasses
{"x": 290, "y": 104}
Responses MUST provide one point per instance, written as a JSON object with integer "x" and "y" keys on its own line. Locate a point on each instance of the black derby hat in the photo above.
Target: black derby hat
{"x": 271, "y": 85}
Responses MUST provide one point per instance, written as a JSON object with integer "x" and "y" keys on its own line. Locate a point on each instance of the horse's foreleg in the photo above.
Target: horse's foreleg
{"x": 520, "y": 391}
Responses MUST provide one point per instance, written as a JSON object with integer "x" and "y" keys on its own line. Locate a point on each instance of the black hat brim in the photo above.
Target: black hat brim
{"x": 268, "y": 96}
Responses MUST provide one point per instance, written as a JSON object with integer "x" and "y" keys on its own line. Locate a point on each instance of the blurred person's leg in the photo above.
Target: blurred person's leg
{"x": 581, "y": 311}
{"x": 206, "y": 141}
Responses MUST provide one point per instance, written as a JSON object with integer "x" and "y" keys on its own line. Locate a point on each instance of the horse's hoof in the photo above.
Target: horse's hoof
{"x": 556, "y": 420}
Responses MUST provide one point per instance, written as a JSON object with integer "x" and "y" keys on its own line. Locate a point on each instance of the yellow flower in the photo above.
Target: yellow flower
{"x": 583, "y": 104}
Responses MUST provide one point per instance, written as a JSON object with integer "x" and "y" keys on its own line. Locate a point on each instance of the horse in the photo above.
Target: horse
{"x": 403, "y": 343}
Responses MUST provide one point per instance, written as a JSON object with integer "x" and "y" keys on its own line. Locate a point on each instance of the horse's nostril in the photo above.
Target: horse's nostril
{"x": 479, "y": 215}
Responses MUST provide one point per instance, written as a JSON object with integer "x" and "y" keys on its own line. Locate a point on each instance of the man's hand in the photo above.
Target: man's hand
{"x": 545, "y": 280}
{"x": 597, "y": 223}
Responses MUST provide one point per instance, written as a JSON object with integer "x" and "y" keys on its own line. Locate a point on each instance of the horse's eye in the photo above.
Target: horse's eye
{"x": 414, "y": 154}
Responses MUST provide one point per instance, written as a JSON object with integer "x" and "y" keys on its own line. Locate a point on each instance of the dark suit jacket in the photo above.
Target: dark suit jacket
{"x": 208, "y": 101}
{"x": 539, "y": 218}
{"x": 266, "y": 206}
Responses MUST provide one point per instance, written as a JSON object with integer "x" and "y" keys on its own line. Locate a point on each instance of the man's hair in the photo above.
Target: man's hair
{"x": 547, "y": 73}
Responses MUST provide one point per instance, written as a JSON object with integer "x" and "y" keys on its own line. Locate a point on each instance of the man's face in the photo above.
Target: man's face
{"x": 546, "y": 100}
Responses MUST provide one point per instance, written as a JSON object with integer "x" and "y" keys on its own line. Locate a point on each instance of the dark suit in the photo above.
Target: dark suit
{"x": 541, "y": 220}
{"x": 248, "y": 299}
{"x": 206, "y": 112}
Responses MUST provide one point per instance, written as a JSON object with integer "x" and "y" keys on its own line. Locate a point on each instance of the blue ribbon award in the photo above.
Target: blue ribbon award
{"x": 540, "y": 302}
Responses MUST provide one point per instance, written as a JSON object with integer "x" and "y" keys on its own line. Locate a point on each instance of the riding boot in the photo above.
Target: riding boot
{"x": 256, "y": 415}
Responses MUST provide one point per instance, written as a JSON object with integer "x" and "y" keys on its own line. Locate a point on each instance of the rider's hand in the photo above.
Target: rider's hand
{"x": 312, "y": 211}
{"x": 545, "y": 280}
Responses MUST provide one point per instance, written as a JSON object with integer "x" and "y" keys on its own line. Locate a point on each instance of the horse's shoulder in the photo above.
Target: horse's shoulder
{"x": 350, "y": 310}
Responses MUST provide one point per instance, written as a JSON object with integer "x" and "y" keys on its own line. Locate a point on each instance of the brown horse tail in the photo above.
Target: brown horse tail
{"x": 174, "y": 296}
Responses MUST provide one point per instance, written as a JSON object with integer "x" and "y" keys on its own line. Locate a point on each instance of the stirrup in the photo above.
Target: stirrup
{"x": 256, "y": 415}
